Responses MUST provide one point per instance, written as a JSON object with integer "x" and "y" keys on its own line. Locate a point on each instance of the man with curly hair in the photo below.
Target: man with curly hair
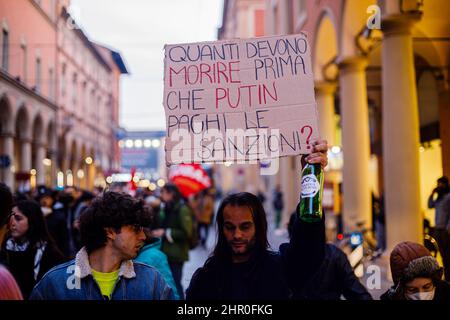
{"x": 111, "y": 233}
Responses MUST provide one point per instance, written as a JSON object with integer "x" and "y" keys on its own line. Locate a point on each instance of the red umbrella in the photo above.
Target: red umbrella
{"x": 189, "y": 178}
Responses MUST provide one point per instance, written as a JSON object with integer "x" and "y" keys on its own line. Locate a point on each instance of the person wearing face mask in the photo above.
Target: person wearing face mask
{"x": 27, "y": 250}
{"x": 416, "y": 275}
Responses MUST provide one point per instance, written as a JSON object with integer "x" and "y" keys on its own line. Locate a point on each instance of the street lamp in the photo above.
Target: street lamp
{"x": 160, "y": 183}
{"x": 129, "y": 143}
{"x": 138, "y": 143}
{"x": 156, "y": 143}
{"x": 335, "y": 149}
{"x": 80, "y": 174}
{"x": 147, "y": 143}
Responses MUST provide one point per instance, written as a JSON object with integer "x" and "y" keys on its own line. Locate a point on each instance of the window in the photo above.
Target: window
{"x": 83, "y": 98}
{"x": 301, "y": 6}
{"x": 38, "y": 75}
{"x": 301, "y": 15}
{"x": 23, "y": 48}
{"x": 276, "y": 19}
{"x": 98, "y": 109}
{"x": 74, "y": 89}
{"x": 51, "y": 84}
{"x": 53, "y": 10}
{"x": 5, "y": 50}
{"x": 91, "y": 103}
{"x": 63, "y": 80}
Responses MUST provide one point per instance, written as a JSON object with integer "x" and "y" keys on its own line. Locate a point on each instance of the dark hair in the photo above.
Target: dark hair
{"x": 86, "y": 196}
{"x": 443, "y": 180}
{"x": 37, "y": 228}
{"x": 6, "y": 203}
{"x": 222, "y": 251}
{"x": 173, "y": 189}
{"x": 112, "y": 210}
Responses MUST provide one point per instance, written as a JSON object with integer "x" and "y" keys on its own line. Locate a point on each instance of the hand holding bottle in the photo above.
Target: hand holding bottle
{"x": 318, "y": 154}
{"x": 310, "y": 209}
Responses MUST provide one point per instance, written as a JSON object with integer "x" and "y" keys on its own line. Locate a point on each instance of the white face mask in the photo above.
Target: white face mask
{"x": 421, "y": 295}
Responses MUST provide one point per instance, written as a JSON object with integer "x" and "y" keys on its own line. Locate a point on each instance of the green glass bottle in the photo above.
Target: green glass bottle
{"x": 311, "y": 195}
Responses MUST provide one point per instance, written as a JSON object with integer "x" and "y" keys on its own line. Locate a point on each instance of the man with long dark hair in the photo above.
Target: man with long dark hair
{"x": 112, "y": 233}
{"x": 243, "y": 267}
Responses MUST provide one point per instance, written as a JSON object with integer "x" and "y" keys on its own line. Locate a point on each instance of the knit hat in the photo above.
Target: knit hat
{"x": 410, "y": 260}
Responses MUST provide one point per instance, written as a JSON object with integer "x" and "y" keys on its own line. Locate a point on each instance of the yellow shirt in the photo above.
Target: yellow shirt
{"x": 106, "y": 281}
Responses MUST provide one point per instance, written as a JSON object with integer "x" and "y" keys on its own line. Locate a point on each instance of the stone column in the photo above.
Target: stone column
{"x": 25, "y": 164}
{"x": 26, "y": 160}
{"x": 400, "y": 134}
{"x": 53, "y": 168}
{"x": 355, "y": 143}
{"x": 325, "y": 107}
{"x": 92, "y": 172}
{"x": 40, "y": 168}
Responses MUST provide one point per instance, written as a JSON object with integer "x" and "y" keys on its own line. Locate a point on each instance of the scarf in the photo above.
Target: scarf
{"x": 12, "y": 245}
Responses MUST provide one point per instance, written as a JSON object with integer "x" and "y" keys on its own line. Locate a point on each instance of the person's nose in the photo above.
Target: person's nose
{"x": 12, "y": 221}
{"x": 238, "y": 233}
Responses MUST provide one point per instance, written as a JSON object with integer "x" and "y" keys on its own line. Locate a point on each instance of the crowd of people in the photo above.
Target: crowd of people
{"x": 106, "y": 235}
{"x": 74, "y": 244}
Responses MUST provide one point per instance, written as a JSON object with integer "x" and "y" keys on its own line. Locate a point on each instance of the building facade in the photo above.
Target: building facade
{"x": 59, "y": 98}
{"x": 242, "y": 19}
{"x": 381, "y": 71}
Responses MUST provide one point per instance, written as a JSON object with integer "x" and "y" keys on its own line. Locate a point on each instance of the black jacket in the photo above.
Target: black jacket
{"x": 263, "y": 280}
{"x": 305, "y": 268}
{"x": 331, "y": 280}
{"x": 442, "y": 293}
{"x": 314, "y": 269}
{"x": 57, "y": 228}
{"x": 21, "y": 265}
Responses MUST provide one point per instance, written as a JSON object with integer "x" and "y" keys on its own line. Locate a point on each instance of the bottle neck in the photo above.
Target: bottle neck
{"x": 314, "y": 167}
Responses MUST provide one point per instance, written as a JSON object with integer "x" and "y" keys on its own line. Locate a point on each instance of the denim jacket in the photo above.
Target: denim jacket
{"x": 74, "y": 281}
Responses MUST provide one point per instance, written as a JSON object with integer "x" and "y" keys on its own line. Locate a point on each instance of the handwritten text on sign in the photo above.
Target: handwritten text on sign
{"x": 243, "y": 99}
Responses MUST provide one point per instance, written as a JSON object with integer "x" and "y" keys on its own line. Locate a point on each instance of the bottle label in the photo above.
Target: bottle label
{"x": 310, "y": 186}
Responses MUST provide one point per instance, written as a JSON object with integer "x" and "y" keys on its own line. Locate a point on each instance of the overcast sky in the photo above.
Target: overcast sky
{"x": 138, "y": 29}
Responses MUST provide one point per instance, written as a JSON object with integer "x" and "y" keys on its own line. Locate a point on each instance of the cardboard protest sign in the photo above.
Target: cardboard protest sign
{"x": 239, "y": 100}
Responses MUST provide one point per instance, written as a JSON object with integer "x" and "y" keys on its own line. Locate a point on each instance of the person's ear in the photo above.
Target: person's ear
{"x": 110, "y": 234}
